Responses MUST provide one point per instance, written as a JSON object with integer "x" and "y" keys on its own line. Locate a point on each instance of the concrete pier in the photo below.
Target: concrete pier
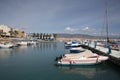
{"x": 114, "y": 56}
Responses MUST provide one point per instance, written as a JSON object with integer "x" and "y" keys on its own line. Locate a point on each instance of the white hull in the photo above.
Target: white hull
{"x": 6, "y": 45}
{"x": 22, "y": 43}
{"x": 76, "y": 50}
{"x": 32, "y": 42}
{"x": 83, "y": 60}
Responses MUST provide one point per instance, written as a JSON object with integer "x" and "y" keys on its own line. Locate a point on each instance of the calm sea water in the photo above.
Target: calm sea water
{"x": 37, "y": 63}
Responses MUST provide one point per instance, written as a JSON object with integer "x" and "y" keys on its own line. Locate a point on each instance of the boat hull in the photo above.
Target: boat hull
{"x": 76, "y": 51}
{"x": 6, "y": 45}
{"x": 69, "y": 46}
{"x": 78, "y": 64}
{"x": 92, "y": 60}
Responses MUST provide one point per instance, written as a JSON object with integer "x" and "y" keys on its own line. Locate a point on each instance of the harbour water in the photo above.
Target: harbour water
{"x": 36, "y": 62}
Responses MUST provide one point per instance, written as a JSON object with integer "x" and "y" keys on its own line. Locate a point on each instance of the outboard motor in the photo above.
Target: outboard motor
{"x": 60, "y": 57}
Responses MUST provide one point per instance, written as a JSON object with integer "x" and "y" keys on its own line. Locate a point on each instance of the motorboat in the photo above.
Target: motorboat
{"x": 22, "y": 43}
{"x": 69, "y": 45}
{"x": 85, "y": 58}
{"x": 6, "y": 45}
{"x": 31, "y": 42}
{"x": 77, "y": 50}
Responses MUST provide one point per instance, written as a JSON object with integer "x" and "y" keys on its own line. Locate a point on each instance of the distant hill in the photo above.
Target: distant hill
{"x": 65, "y": 35}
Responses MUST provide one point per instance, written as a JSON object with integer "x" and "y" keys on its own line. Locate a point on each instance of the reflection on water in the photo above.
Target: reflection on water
{"x": 87, "y": 71}
{"x": 42, "y": 47}
{"x": 7, "y": 52}
{"x": 37, "y": 62}
{"x": 46, "y": 45}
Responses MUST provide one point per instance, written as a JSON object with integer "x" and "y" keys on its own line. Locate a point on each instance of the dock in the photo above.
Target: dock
{"x": 114, "y": 56}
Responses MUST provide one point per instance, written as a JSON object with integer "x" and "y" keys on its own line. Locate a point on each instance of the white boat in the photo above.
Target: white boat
{"x": 69, "y": 45}
{"x": 81, "y": 59}
{"x": 31, "y": 42}
{"x": 6, "y": 45}
{"x": 23, "y": 43}
{"x": 92, "y": 60}
{"x": 76, "y": 50}
{"x": 100, "y": 44}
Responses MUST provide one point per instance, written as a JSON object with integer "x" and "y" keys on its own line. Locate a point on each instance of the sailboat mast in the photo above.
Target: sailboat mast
{"x": 106, "y": 21}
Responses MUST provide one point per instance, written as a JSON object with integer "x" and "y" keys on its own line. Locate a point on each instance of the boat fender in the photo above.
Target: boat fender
{"x": 98, "y": 56}
{"x": 56, "y": 59}
{"x": 72, "y": 62}
{"x": 97, "y": 59}
{"x": 60, "y": 60}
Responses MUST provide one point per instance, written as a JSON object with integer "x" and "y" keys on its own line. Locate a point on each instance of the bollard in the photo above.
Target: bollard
{"x": 109, "y": 49}
{"x": 88, "y": 43}
{"x": 95, "y": 44}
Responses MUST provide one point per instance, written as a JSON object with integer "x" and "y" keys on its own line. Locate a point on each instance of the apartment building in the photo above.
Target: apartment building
{"x": 9, "y": 31}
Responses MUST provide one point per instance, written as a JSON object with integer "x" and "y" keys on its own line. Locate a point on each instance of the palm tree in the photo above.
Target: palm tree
{"x": 47, "y": 36}
{"x": 40, "y": 35}
{"x": 33, "y": 34}
{"x": 37, "y": 35}
{"x": 55, "y": 35}
{"x": 23, "y": 34}
{"x": 16, "y": 33}
{"x": 1, "y": 32}
{"x": 4, "y": 33}
{"x": 11, "y": 32}
{"x": 43, "y": 36}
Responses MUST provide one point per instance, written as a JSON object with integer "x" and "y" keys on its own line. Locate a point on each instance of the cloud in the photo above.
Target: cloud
{"x": 69, "y": 29}
{"x": 83, "y": 30}
{"x": 87, "y": 29}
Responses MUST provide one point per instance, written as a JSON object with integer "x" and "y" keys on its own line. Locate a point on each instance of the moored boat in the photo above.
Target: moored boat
{"x": 23, "y": 43}
{"x": 69, "y": 45}
{"x": 6, "y": 45}
{"x": 92, "y": 60}
{"x": 31, "y": 42}
{"x": 84, "y": 58}
{"x": 77, "y": 50}
{"x": 100, "y": 44}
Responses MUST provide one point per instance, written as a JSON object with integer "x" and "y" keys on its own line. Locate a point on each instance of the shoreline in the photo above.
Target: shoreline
{"x": 82, "y": 39}
{"x": 5, "y": 40}
{"x": 59, "y": 39}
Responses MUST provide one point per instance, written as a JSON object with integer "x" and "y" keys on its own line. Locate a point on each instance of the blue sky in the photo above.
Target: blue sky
{"x": 60, "y": 16}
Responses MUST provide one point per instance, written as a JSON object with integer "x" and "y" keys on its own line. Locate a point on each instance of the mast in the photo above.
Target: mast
{"x": 106, "y": 21}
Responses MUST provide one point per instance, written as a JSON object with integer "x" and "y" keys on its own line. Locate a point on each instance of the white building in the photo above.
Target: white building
{"x": 5, "y": 29}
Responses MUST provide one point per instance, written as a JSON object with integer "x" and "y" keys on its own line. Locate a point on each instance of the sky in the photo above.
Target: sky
{"x": 61, "y": 16}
